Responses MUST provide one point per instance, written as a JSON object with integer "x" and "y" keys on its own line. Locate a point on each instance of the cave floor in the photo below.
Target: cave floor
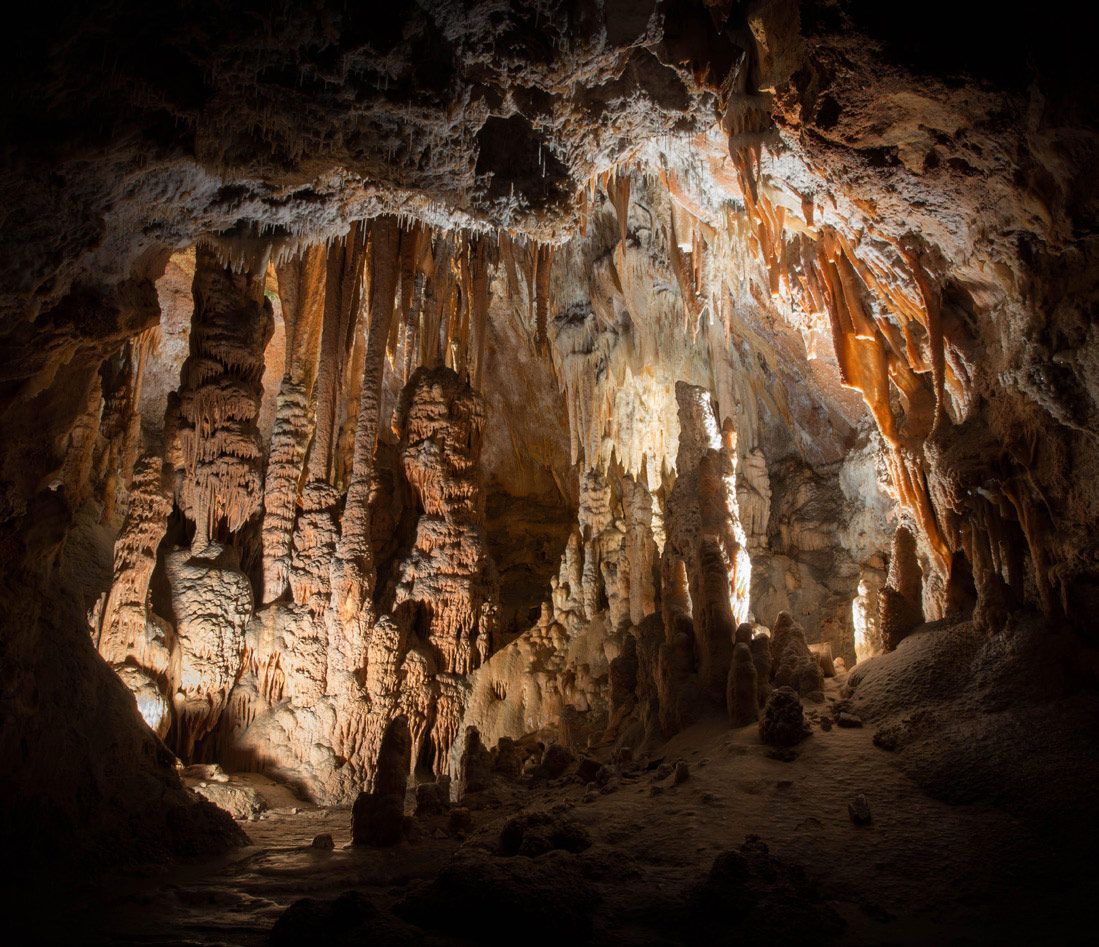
{"x": 923, "y": 872}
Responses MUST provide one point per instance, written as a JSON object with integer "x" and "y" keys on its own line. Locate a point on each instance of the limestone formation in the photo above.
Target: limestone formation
{"x": 131, "y": 636}
{"x": 901, "y": 602}
{"x": 449, "y": 576}
{"x": 211, "y": 602}
{"x": 377, "y": 819}
{"x": 760, "y": 647}
{"x": 383, "y": 390}
{"x": 215, "y": 446}
{"x": 705, "y": 535}
{"x": 782, "y": 721}
{"x": 793, "y": 664}
{"x": 742, "y": 695}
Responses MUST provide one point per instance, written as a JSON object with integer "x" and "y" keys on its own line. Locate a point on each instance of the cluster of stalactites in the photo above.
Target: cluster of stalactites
{"x": 913, "y": 367}
{"x": 863, "y": 293}
{"x": 618, "y": 351}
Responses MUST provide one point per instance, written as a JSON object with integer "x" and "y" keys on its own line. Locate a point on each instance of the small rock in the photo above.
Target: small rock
{"x": 587, "y": 769}
{"x": 783, "y": 755}
{"x": 826, "y": 724}
{"x": 460, "y": 821}
{"x": 848, "y": 720}
{"x": 888, "y": 739}
{"x": 623, "y": 755}
{"x": 323, "y": 842}
{"x": 555, "y": 761}
{"x": 655, "y": 790}
{"x": 859, "y": 810}
{"x": 682, "y": 773}
{"x": 535, "y": 833}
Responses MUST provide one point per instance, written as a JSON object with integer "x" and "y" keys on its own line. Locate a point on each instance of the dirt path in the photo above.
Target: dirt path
{"x": 923, "y": 872}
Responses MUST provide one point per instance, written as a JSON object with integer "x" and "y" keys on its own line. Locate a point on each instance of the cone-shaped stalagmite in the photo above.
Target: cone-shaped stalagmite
{"x": 741, "y": 694}
{"x": 901, "y": 608}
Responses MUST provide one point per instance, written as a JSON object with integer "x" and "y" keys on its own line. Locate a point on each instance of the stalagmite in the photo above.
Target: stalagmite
{"x": 742, "y": 697}
{"x": 793, "y": 665}
{"x": 901, "y": 608}
{"x": 378, "y": 816}
{"x": 866, "y": 614}
{"x": 704, "y": 533}
{"x": 130, "y": 633}
{"x": 640, "y": 551}
{"x": 760, "y": 647}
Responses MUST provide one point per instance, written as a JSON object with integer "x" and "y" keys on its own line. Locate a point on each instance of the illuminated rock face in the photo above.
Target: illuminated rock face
{"x": 722, "y": 290}
{"x": 447, "y": 576}
{"x": 211, "y": 602}
{"x": 215, "y": 444}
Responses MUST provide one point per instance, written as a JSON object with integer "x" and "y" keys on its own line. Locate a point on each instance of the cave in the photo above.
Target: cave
{"x": 626, "y": 469}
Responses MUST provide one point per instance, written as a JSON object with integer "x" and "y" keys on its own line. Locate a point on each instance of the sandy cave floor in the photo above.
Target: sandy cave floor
{"x": 923, "y": 872}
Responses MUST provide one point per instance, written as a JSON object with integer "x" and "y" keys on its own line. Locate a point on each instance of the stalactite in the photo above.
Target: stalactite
{"x": 543, "y": 269}
{"x": 480, "y": 285}
{"x": 341, "y": 302}
{"x": 353, "y": 567}
{"x": 301, "y": 284}
{"x": 314, "y": 539}
{"x": 416, "y": 703}
{"x": 347, "y": 413}
{"x": 381, "y": 687}
{"x": 301, "y": 289}
{"x": 449, "y": 709}
{"x": 118, "y": 443}
{"x": 216, "y": 447}
{"x": 449, "y": 574}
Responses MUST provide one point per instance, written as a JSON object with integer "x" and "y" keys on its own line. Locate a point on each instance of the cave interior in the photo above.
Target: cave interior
{"x": 623, "y": 467}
